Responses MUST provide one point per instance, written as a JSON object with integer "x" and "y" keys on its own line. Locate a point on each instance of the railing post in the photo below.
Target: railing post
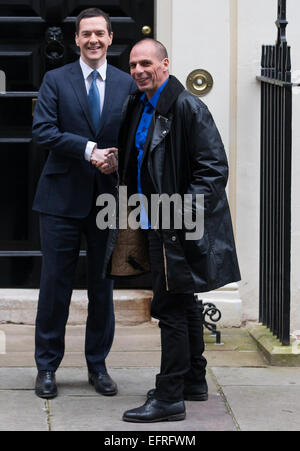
{"x": 276, "y": 160}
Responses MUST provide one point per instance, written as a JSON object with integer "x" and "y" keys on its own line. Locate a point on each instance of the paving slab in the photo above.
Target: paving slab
{"x": 102, "y": 414}
{"x": 272, "y": 376}
{"x": 97, "y": 413}
{"x": 265, "y": 408}
{"x": 262, "y": 399}
{"x": 22, "y": 411}
{"x": 79, "y": 408}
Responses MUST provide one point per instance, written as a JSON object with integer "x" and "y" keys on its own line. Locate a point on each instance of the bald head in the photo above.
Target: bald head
{"x": 159, "y": 49}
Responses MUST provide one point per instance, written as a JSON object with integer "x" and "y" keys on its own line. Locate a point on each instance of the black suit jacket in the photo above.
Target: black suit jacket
{"x": 63, "y": 124}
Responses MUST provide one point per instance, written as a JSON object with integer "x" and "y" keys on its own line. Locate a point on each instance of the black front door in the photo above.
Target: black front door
{"x": 37, "y": 36}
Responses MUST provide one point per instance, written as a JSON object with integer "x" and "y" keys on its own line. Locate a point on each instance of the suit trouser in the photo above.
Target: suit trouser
{"x": 61, "y": 239}
{"x": 180, "y": 321}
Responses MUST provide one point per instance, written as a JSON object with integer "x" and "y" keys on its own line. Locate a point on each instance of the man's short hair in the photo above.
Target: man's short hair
{"x": 93, "y": 12}
{"x": 161, "y": 50}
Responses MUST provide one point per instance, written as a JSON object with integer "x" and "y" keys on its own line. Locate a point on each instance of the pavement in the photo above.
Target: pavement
{"x": 245, "y": 393}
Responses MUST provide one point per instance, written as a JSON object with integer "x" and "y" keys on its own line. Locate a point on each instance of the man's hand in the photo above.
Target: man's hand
{"x": 106, "y": 160}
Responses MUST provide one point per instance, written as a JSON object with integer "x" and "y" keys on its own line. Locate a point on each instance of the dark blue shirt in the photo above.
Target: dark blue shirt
{"x": 140, "y": 140}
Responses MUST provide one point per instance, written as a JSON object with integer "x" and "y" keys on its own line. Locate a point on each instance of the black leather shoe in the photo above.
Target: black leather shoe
{"x": 103, "y": 383}
{"x": 197, "y": 392}
{"x": 45, "y": 385}
{"x": 154, "y": 411}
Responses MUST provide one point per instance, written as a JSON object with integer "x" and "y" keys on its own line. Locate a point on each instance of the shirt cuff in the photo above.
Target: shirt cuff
{"x": 89, "y": 149}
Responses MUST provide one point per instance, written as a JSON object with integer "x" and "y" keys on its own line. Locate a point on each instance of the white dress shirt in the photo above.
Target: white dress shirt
{"x": 88, "y": 79}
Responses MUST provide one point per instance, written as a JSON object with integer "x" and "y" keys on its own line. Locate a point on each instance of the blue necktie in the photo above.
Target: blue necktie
{"x": 94, "y": 98}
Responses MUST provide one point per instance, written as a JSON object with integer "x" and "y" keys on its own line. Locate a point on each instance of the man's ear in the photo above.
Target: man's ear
{"x": 111, "y": 38}
{"x": 166, "y": 63}
{"x": 76, "y": 39}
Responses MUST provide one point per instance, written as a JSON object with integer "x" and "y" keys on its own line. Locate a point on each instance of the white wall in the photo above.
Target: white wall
{"x": 255, "y": 27}
{"x": 293, "y": 35}
{"x": 195, "y": 47}
{"x": 225, "y": 38}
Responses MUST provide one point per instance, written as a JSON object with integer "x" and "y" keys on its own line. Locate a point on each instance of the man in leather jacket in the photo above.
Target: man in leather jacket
{"x": 169, "y": 144}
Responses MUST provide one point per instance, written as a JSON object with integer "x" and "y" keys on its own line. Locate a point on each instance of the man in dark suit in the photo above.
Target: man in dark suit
{"x": 77, "y": 118}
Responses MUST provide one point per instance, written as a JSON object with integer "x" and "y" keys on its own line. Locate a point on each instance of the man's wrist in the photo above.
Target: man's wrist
{"x": 90, "y": 147}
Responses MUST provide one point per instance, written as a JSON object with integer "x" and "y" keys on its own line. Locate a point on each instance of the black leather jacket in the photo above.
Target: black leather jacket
{"x": 183, "y": 154}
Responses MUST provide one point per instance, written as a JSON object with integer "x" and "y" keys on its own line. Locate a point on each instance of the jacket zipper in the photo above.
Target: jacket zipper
{"x": 165, "y": 266}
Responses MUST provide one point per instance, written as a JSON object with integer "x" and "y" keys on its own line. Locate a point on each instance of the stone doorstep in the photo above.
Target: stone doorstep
{"x": 275, "y": 353}
{"x": 132, "y": 307}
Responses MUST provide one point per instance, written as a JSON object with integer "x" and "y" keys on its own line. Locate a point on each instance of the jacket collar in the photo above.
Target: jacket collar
{"x": 169, "y": 96}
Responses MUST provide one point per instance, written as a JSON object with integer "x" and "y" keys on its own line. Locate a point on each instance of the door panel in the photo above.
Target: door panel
{"x": 37, "y": 36}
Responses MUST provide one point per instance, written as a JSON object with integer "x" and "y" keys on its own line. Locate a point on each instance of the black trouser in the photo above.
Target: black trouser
{"x": 180, "y": 321}
{"x": 61, "y": 246}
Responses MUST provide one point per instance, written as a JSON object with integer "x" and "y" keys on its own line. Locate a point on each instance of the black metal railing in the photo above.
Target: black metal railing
{"x": 210, "y": 316}
{"x": 276, "y": 157}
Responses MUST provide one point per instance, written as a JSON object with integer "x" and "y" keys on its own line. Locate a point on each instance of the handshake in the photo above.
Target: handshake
{"x": 105, "y": 160}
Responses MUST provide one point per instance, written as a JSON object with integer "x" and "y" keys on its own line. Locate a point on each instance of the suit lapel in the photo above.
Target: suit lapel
{"x": 79, "y": 87}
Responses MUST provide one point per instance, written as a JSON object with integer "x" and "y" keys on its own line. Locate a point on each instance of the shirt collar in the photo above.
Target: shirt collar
{"x": 87, "y": 70}
{"x": 154, "y": 99}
